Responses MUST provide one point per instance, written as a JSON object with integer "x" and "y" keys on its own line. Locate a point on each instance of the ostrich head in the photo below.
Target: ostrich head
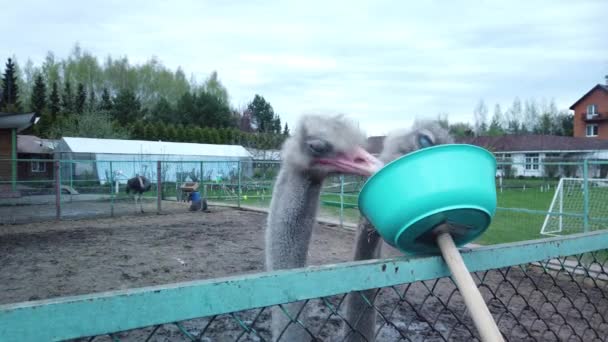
{"x": 422, "y": 134}
{"x": 322, "y": 145}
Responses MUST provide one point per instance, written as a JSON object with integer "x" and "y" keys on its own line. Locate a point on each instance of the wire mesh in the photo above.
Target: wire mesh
{"x": 527, "y": 192}
{"x": 560, "y": 299}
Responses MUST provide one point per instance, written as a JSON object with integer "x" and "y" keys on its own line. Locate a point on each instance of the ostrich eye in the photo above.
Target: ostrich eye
{"x": 318, "y": 147}
{"x": 424, "y": 141}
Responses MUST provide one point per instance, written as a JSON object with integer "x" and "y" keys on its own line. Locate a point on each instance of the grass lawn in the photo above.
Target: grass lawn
{"x": 507, "y": 225}
{"x": 511, "y": 226}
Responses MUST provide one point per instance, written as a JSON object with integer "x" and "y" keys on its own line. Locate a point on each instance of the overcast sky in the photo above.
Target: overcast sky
{"x": 381, "y": 62}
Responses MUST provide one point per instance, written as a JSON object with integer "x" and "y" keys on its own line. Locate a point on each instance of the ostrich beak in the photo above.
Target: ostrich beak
{"x": 358, "y": 162}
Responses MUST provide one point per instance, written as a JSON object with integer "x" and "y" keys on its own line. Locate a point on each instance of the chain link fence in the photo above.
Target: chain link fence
{"x": 561, "y": 299}
{"x": 555, "y": 298}
{"x": 535, "y": 197}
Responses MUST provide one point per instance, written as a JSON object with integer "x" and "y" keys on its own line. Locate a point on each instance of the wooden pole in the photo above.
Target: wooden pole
{"x": 482, "y": 318}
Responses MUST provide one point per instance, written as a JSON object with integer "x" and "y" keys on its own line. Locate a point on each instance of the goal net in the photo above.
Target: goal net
{"x": 567, "y": 209}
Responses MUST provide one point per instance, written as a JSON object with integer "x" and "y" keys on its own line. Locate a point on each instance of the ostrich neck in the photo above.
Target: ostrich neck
{"x": 293, "y": 211}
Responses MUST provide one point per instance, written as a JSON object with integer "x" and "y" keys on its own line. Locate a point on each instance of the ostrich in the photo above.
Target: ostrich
{"x": 368, "y": 244}
{"x": 319, "y": 146}
{"x": 138, "y": 185}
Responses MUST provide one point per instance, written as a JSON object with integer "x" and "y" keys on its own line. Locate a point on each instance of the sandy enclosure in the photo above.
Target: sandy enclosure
{"x": 60, "y": 258}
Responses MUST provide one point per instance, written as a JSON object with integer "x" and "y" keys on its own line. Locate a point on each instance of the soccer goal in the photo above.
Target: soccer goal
{"x": 567, "y": 209}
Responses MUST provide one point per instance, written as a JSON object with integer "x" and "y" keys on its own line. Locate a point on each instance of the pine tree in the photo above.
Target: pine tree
{"x": 81, "y": 98}
{"x": 198, "y": 135}
{"x": 161, "y": 131}
{"x": 180, "y": 134}
{"x": 54, "y": 104}
{"x": 146, "y": 132}
{"x": 277, "y": 125}
{"x": 239, "y": 137}
{"x": 223, "y": 137}
{"x": 10, "y": 89}
{"x": 138, "y": 130}
{"x": 106, "y": 100}
{"x": 206, "y": 135}
{"x": 171, "y": 134}
{"x": 262, "y": 114}
{"x": 163, "y": 111}
{"x": 126, "y": 107}
{"x": 495, "y": 128}
{"x": 91, "y": 101}
{"x": 286, "y": 130}
{"x": 214, "y": 136}
{"x": 67, "y": 99}
{"x": 229, "y": 136}
{"x": 38, "y": 100}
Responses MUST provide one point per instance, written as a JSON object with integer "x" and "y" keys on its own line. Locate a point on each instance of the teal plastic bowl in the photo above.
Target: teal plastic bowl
{"x": 409, "y": 197}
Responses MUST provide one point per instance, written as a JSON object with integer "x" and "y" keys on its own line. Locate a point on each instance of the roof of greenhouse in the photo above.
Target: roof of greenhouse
{"x": 119, "y": 146}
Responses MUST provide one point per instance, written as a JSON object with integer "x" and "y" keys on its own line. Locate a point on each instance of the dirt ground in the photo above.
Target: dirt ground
{"x": 51, "y": 259}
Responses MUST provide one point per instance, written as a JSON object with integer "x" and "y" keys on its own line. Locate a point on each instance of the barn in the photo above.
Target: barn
{"x": 100, "y": 159}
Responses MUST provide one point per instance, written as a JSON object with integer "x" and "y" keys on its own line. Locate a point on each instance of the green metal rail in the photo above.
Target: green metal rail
{"x": 101, "y": 313}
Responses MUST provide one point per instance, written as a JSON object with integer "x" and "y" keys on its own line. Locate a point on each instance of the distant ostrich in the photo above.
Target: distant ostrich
{"x": 319, "y": 146}
{"x": 138, "y": 185}
{"x": 368, "y": 244}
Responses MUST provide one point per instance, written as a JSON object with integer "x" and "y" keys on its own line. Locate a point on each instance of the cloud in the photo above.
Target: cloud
{"x": 381, "y": 62}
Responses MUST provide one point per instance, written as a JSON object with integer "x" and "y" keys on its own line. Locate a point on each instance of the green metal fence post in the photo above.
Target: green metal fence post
{"x": 158, "y": 187}
{"x": 586, "y": 195}
{"x": 71, "y": 175}
{"x": 111, "y": 181}
{"x": 14, "y": 160}
{"x": 341, "y": 201}
{"x": 57, "y": 168}
{"x": 203, "y": 179}
{"x": 238, "y": 201}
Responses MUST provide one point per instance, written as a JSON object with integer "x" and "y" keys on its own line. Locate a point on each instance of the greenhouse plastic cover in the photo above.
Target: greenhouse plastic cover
{"x": 118, "y": 146}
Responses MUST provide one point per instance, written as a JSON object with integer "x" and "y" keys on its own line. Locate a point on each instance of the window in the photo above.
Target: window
{"x": 532, "y": 161}
{"x": 38, "y": 166}
{"x": 591, "y": 110}
{"x": 551, "y": 155}
{"x": 592, "y": 130}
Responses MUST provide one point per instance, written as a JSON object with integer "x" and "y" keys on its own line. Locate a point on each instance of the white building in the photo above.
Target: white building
{"x": 99, "y": 158}
{"x": 526, "y": 154}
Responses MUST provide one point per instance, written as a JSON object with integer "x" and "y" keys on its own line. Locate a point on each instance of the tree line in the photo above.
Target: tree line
{"x": 529, "y": 117}
{"x": 80, "y": 96}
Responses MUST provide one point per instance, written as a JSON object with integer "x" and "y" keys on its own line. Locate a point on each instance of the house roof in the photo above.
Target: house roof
{"x": 598, "y": 86}
{"x": 119, "y": 146}
{"x": 19, "y": 121}
{"x": 33, "y": 144}
{"x": 518, "y": 143}
{"x": 375, "y": 144}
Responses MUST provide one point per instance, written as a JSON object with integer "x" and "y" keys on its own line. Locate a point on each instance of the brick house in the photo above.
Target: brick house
{"x": 591, "y": 113}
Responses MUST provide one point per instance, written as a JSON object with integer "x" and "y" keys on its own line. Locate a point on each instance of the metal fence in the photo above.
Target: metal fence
{"x": 544, "y": 290}
{"x": 554, "y": 198}
{"x": 66, "y": 189}
{"x": 541, "y": 290}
